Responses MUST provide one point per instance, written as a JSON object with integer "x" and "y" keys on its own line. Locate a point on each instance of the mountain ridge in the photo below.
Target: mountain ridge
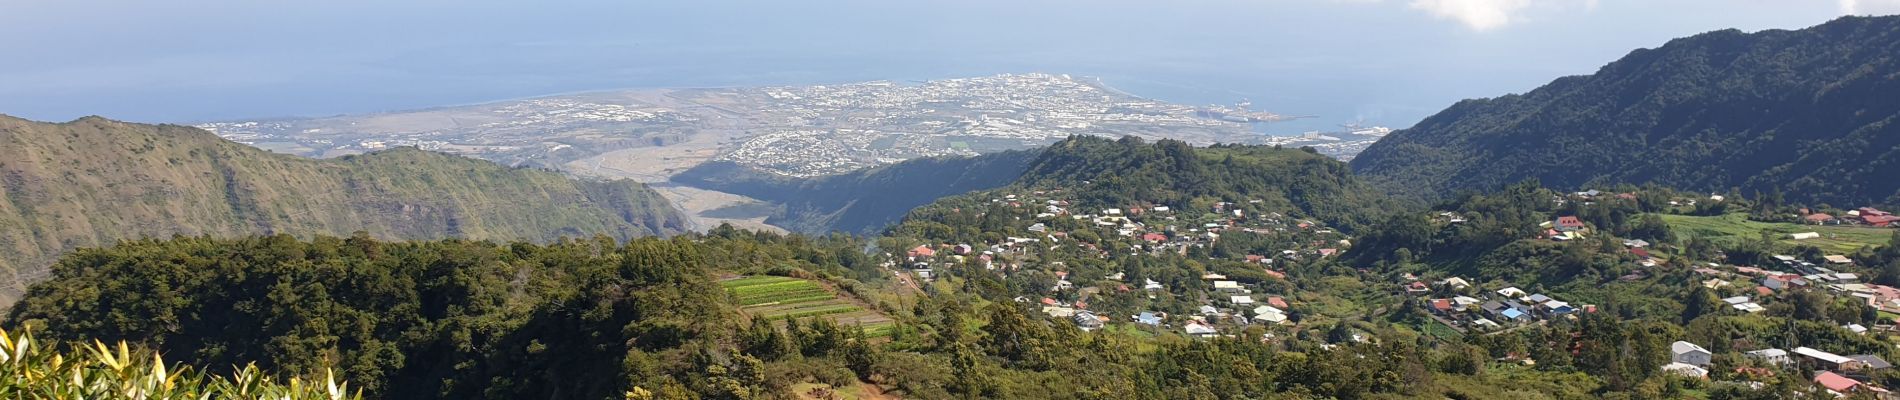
{"x": 1797, "y": 111}
{"x": 93, "y": 181}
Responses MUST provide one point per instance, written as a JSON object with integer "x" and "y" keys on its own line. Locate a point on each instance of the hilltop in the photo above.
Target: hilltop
{"x": 1809, "y": 113}
{"x": 93, "y": 181}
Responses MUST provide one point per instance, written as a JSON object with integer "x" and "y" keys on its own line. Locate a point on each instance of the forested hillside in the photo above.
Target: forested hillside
{"x": 862, "y": 201}
{"x": 1811, "y": 114}
{"x": 1117, "y": 173}
{"x": 93, "y": 181}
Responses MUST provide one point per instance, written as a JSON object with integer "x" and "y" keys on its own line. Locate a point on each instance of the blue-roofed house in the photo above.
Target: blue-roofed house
{"x": 1148, "y": 318}
{"x": 1514, "y": 315}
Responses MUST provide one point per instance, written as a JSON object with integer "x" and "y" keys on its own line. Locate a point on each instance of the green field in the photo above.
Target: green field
{"x": 1732, "y": 227}
{"x": 779, "y": 298}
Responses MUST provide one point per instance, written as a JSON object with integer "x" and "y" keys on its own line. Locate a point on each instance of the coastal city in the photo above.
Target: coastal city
{"x": 795, "y": 131}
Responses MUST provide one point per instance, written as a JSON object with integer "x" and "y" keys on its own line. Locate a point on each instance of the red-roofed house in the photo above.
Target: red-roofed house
{"x": 1881, "y": 221}
{"x": 1441, "y": 305}
{"x": 1569, "y": 224}
{"x": 1276, "y": 274}
{"x": 1837, "y": 383}
{"x": 1818, "y": 218}
{"x": 1640, "y": 252}
{"x": 1254, "y": 258}
{"x": 1154, "y": 237}
{"x": 923, "y": 251}
{"x": 1764, "y": 291}
{"x": 1278, "y": 302}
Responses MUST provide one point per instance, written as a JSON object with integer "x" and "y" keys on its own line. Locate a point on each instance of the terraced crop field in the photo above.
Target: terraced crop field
{"x": 779, "y": 298}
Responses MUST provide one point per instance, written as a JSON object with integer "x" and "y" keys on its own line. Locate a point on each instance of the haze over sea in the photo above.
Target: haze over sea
{"x": 1377, "y": 62}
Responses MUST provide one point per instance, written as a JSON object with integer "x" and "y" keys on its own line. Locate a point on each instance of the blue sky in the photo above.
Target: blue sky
{"x": 1381, "y": 61}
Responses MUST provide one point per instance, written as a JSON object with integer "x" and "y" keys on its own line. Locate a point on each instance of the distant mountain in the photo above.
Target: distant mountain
{"x": 1813, "y": 113}
{"x": 862, "y": 201}
{"x": 94, "y": 181}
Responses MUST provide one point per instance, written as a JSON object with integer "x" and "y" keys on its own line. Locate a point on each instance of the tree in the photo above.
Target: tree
{"x": 1699, "y": 302}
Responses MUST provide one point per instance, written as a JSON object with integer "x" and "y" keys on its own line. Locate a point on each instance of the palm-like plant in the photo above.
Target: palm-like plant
{"x": 100, "y": 371}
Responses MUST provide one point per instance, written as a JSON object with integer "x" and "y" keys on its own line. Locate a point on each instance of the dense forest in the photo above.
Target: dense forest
{"x": 92, "y": 181}
{"x": 1810, "y": 114}
{"x": 863, "y": 201}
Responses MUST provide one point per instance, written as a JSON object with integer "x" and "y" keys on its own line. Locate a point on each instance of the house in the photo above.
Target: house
{"x": 1416, "y": 287}
{"x": 1148, "y": 318}
{"x": 1555, "y": 307}
{"x": 1818, "y": 218}
{"x": 1825, "y": 360}
{"x": 1686, "y": 370}
{"x": 1154, "y": 237}
{"x": 1277, "y": 301}
{"x": 1539, "y": 298}
{"x": 1744, "y": 304}
{"x": 1087, "y": 321}
{"x": 1871, "y": 362}
{"x": 1771, "y": 356}
{"x": 1838, "y": 259}
{"x": 1199, "y": 329}
{"x": 1783, "y": 281}
{"x": 1464, "y": 302}
{"x": 1507, "y": 310}
{"x": 1689, "y": 353}
{"x": 1272, "y": 318}
{"x": 1150, "y": 284}
{"x": 1635, "y": 243}
{"x": 1839, "y": 385}
{"x": 1228, "y": 286}
{"x": 1568, "y": 224}
{"x": 1241, "y": 300}
{"x": 1209, "y": 310}
{"x": 1455, "y": 283}
{"x": 1511, "y": 292}
{"x": 1442, "y": 306}
{"x": 922, "y": 251}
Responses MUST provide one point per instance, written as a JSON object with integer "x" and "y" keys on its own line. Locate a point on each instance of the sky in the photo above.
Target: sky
{"x": 1385, "y": 62}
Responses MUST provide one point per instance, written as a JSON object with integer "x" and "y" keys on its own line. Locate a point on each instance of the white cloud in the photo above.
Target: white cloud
{"x": 1479, "y": 15}
{"x": 1870, "y": 7}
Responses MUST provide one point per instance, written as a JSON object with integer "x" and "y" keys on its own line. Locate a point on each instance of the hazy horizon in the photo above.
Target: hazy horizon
{"x": 1381, "y": 62}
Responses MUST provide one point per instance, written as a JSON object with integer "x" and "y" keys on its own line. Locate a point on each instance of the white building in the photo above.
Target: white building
{"x": 1689, "y": 353}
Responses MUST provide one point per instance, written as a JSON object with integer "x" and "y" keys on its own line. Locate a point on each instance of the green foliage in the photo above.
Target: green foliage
{"x": 1806, "y": 114}
{"x": 37, "y": 370}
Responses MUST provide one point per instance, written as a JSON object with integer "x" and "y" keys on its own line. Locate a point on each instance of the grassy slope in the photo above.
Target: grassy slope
{"x": 1834, "y": 238}
{"x": 93, "y": 181}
